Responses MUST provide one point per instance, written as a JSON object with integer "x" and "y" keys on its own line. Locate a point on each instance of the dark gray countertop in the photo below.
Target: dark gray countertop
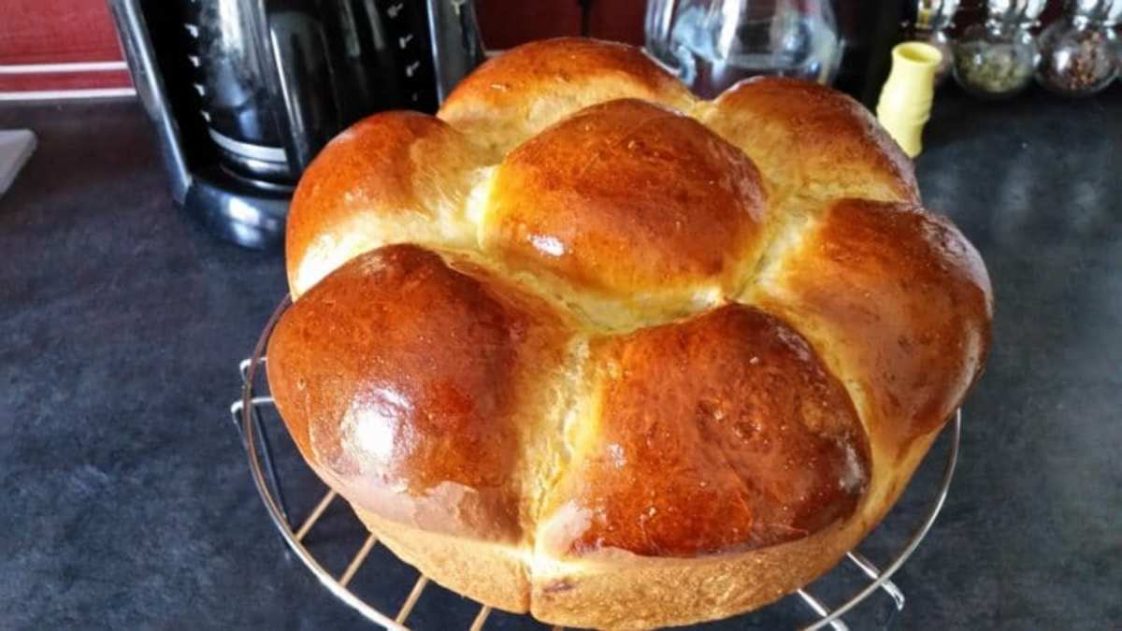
{"x": 125, "y": 500}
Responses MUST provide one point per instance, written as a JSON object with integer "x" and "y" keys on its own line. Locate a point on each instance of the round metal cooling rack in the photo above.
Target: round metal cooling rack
{"x": 256, "y": 404}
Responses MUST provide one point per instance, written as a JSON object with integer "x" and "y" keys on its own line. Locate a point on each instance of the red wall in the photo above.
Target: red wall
{"x": 57, "y": 31}
{"x": 38, "y": 31}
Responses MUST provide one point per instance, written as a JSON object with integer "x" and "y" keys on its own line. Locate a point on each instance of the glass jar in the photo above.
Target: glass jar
{"x": 1077, "y": 53}
{"x": 933, "y": 18}
{"x": 995, "y": 59}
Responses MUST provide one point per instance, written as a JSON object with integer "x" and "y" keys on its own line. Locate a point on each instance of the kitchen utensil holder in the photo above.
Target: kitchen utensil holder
{"x": 255, "y": 404}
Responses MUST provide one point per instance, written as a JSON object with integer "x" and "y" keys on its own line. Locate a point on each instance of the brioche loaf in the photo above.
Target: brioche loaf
{"x": 586, "y": 347}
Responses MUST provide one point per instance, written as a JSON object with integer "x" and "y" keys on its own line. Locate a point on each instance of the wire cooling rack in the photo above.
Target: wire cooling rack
{"x": 257, "y": 421}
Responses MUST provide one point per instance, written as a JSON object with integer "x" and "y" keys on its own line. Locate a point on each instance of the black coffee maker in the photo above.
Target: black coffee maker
{"x": 244, "y": 93}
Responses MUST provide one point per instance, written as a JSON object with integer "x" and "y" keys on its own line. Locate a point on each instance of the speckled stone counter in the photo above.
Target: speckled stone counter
{"x": 125, "y": 501}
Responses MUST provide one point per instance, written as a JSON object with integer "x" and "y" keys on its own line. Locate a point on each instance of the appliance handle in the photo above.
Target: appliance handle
{"x": 146, "y": 76}
{"x": 456, "y": 46}
{"x": 302, "y": 60}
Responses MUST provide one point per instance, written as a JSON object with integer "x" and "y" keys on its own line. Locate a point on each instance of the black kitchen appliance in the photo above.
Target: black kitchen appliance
{"x": 244, "y": 93}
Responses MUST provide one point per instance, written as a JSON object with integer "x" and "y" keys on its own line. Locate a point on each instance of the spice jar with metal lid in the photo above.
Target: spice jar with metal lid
{"x": 1077, "y": 53}
{"x": 997, "y": 59}
{"x": 933, "y": 19}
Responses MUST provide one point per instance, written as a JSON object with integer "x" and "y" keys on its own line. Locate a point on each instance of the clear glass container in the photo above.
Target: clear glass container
{"x": 712, "y": 44}
{"x": 995, "y": 59}
{"x": 1078, "y": 54}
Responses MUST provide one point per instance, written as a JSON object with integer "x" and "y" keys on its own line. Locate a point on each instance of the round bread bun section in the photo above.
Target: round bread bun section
{"x": 899, "y": 299}
{"x": 812, "y": 141}
{"x": 720, "y": 433}
{"x": 390, "y": 178}
{"x": 516, "y": 95}
{"x": 413, "y": 388}
{"x": 629, "y": 202}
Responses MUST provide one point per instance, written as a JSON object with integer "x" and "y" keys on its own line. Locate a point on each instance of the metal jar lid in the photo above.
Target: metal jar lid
{"x": 936, "y": 15}
{"x": 1016, "y": 10}
{"x": 1097, "y": 10}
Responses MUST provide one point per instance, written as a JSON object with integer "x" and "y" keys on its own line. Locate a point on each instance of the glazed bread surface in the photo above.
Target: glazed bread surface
{"x": 584, "y": 346}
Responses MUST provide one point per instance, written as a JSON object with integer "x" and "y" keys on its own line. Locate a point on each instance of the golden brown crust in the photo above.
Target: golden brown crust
{"x": 621, "y": 591}
{"x": 490, "y": 573}
{"x": 401, "y": 379}
{"x": 392, "y": 177}
{"x": 627, "y": 198}
{"x": 602, "y": 436}
{"x": 521, "y": 92}
{"x": 723, "y": 432}
{"x": 899, "y": 299}
{"x": 811, "y": 140}
{"x": 616, "y": 590}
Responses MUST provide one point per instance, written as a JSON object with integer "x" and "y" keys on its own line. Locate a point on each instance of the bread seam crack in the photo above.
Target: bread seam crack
{"x": 794, "y": 216}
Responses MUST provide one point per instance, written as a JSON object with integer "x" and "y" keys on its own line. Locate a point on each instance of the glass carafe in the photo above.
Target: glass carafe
{"x": 712, "y": 44}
